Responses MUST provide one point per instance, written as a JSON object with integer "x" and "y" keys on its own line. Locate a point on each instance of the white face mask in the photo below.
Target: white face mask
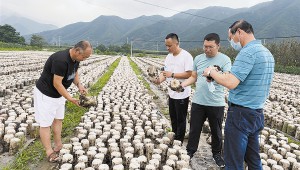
{"x": 211, "y": 86}
{"x": 237, "y": 46}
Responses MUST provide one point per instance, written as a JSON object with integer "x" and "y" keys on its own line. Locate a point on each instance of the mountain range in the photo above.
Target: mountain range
{"x": 24, "y": 25}
{"x": 275, "y": 18}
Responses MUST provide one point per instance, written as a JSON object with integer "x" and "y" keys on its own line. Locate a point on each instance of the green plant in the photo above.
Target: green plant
{"x": 34, "y": 153}
{"x": 138, "y": 72}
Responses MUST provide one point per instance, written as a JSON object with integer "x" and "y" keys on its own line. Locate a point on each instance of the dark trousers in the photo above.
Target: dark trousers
{"x": 178, "y": 111}
{"x": 199, "y": 113}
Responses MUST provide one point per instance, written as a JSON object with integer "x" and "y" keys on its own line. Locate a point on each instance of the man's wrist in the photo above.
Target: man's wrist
{"x": 208, "y": 73}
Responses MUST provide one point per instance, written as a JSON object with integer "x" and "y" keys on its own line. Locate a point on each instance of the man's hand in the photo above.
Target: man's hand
{"x": 155, "y": 80}
{"x": 82, "y": 89}
{"x": 74, "y": 101}
{"x": 167, "y": 74}
{"x": 175, "y": 85}
{"x": 206, "y": 72}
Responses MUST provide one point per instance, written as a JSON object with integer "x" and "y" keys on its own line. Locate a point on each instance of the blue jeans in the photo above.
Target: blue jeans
{"x": 241, "y": 138}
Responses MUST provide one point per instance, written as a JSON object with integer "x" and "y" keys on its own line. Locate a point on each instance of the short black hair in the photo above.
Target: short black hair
{"x": 173, "y": 36}
{"x": 212, "y": 37}
{"x": 82, "y": 45}
{"x": 243, "y": 25}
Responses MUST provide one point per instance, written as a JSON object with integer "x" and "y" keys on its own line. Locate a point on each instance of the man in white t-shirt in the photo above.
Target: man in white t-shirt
{"x": 178, "y": 65}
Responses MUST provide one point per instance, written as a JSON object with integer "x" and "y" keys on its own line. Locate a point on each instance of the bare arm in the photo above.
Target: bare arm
{"x": 160, "y": 79}
{"x": 183, "y": 75}
{"x": 190, "y": 80}
{"x": 77, "y": 83}
{"x": 57, "y": 83}
{"x": 76, "y": 80}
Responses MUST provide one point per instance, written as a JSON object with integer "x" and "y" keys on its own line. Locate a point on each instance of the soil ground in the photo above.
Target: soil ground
{"x": 202, "y": 159}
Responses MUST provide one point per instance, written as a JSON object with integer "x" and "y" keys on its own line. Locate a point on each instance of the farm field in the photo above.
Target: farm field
{"x": 127, "y": 129}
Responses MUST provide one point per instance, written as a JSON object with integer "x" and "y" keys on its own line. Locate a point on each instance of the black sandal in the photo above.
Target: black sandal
{"x": 56, "y": 151}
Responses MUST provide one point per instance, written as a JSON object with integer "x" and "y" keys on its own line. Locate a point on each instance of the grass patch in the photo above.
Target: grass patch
{"x": 138, "y": 72}
{"x": 291, "y": 140}
{"x": 165, "y": 112}
{"x": 35, "y": 153}
{"x": 30, "y": 154}
{"x": 97, "y": 87}
{"x": 74, "y": 113}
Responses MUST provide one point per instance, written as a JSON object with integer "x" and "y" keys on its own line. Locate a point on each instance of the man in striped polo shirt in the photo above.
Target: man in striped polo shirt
{"x": 249, "y": 82}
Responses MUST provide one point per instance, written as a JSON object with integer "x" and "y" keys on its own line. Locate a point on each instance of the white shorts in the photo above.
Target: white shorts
{"x": 47, "y": 108}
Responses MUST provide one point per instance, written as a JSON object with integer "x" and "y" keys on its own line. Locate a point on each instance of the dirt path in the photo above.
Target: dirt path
{"x": 202, "y": 159}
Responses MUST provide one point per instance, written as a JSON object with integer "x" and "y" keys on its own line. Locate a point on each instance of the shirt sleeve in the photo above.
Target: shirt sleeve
{"x": 243, "y": 65}
{"x": 59, "y": 68}
{"x": 189, "y": 63}
{"x": 196, "y": 60}
{"x": 194, "y": 65}
{"x": 227, "y": 65}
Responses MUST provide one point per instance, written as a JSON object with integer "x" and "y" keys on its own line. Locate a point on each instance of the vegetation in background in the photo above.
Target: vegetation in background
{"x": 286, "y": 55}
{"x": 34, "y": 153}
{"x": 138, "y": 72}
{"x": 37, "y": 41}
{"x": 8, "y": 34}
{"x": 113, "y": 49}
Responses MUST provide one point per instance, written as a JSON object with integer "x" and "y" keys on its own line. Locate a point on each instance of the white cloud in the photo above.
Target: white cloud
{"x": 64, "y": 12}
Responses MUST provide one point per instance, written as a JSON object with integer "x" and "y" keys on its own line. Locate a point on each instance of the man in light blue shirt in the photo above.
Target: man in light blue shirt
{"x": 249, "y": 82}
{"x": 208, "y": 100}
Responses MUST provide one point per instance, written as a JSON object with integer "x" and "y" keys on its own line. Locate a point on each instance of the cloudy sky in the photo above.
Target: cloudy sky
{"x": 64, "y": 12}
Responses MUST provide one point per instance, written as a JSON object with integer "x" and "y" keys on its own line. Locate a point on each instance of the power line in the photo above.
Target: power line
{"x": 181, "y": 11}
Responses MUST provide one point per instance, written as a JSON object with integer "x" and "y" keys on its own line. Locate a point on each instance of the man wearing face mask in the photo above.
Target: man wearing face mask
{"x": 249, "y": 82}
{"x": 178, "y": 65}
{"x": 208, "y": 103}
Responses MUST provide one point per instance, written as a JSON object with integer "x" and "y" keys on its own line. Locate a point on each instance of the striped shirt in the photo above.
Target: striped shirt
{"x": 254, "y": 67}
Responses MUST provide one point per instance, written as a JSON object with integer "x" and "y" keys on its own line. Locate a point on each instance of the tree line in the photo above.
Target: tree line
{"x": 286, "y": 53}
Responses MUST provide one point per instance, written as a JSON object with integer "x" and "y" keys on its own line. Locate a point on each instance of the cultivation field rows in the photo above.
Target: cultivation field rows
{"x": 126, "y": 130}
{"x": 282, "y": 114}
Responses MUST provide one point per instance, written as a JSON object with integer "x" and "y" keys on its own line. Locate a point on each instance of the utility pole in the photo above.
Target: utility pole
{"x": 58, "y": 41}
{"x": 131, "y": 48}
{"x": 157, "y": 46}
{"x": 127, "y": 40}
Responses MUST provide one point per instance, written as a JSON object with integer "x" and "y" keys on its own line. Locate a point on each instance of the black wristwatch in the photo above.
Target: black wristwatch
{"x": 172, "y": 75}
